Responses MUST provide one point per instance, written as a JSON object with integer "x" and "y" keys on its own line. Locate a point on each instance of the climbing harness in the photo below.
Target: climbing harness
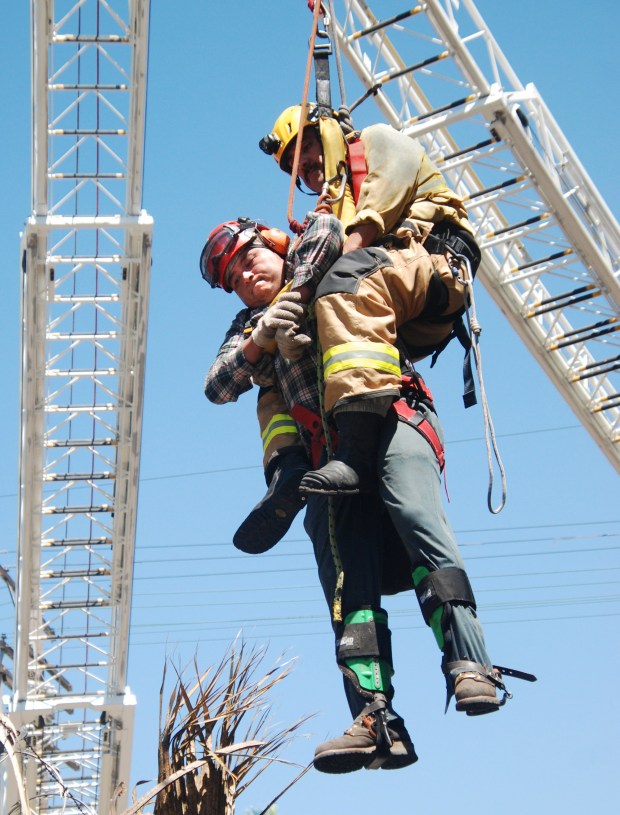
{"x": 415, "y": 388}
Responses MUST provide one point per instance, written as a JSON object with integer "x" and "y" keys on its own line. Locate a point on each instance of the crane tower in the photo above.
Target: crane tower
{"x": 86, "y": 256}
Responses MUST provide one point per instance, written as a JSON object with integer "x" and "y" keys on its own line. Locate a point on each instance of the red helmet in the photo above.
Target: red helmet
{"x": 228, "y": 239}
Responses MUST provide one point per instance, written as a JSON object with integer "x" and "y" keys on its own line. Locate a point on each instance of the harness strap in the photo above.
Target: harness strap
{"x": 312, "y": 422}
{"x": 359, "y": 168}
{"x": 423, "y": 426}
{"x": 411, "y": 384}
{"x": 415, "y": 384}
{"x": 446, "y": 235}
{"x": 321, "y": 74}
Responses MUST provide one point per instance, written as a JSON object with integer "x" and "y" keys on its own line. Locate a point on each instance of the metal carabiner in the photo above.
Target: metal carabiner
{"x": 342, "y": 175}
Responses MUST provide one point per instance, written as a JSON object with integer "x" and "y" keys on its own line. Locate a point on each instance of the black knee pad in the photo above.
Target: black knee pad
{"x": 450, "y": 585}
{"x": 364, "y": 651}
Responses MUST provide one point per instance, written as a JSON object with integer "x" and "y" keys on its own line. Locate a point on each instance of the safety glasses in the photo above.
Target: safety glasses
{"x": 220, "y": 250}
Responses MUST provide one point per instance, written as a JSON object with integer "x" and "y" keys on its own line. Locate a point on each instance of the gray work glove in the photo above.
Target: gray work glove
{"x": 287, "y": 313}
{"x": 291, "y": 344}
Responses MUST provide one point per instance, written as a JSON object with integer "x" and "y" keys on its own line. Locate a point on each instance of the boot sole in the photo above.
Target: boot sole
{"x": 336, "y": 762}
{"x": 320, "y": 491}
{"x": 401, "y": 755}
{"x": 478, "y": 706}
{"x": 347, "y": 761}
{"x": 269, "y": 523}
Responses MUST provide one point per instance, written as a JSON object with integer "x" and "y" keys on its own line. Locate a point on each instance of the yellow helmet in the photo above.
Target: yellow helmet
{"x": 285, "y": 129}
{"x": 335, "y": 151}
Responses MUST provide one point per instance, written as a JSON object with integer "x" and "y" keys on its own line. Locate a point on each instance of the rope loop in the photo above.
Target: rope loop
{"x": 489, "y": 431}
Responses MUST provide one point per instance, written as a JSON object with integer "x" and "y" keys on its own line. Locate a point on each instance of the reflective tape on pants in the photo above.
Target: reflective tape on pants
{"x": 279, "y": 424}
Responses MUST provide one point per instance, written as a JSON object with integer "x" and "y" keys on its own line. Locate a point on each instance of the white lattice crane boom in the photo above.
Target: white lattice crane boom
{"x": 86, "y": 265}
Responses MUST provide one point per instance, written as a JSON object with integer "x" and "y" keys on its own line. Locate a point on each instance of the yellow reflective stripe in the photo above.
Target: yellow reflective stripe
{"x": 376, "y": 355}
{"x": 278, "y": 425}
{"x": 351, "y": 347}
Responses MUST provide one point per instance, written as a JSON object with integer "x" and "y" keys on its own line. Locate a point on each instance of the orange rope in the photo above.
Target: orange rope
{"x": 302, "y": 116}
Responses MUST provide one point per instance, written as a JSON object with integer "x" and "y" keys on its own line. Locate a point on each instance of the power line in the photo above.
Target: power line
{"x": 487, "y": 623}
{"x": 491, "y": 530}
{"x": 266, "y": 589}
{"x": 212, "y": 558}
{"x": 169, "y": 476}
{"x": 259, "y": 572}
{"x": 237, "y": 603}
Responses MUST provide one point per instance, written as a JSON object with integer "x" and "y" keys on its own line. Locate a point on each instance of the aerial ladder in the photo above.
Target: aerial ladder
{"x": 86, "y": 257}
{"x": 550, "y": 245}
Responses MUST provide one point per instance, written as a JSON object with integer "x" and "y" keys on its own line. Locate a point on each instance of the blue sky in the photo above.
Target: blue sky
{"x": 545, "y": 571}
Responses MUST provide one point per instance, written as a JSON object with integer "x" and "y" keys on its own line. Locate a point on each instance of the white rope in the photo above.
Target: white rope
{"x": 490, "y": 440}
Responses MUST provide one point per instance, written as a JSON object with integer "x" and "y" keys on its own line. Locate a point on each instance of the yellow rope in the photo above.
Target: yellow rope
{"x": 331, "y": 524}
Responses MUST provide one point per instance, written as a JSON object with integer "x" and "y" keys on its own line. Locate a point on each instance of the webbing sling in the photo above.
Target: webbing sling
{"x": 423, "y": 426}
{"x": 312, "y": 422}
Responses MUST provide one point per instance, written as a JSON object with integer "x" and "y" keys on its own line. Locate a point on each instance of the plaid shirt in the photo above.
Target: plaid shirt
{"x": 231, "y": 374}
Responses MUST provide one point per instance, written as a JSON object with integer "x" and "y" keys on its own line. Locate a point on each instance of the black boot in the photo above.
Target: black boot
{"x": 353, "y": 469}
{"x": 272, "y": 517}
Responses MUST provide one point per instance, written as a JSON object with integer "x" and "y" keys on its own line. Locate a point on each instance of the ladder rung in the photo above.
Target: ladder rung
{"x": 71, "y": 666}
{"x": 84, "y": 131}
{"x": 442, "y": 109}
{"x": 62, "y": 38}
{"x": 54, "y": 372}
{"x": 88, "y": 298}
{"x": 527, "y": 222}
{"x": 383, "y": 23}
{"x": 77, "y": 510}
{"x": 55, "y": 260}
{"x": 549, "y": 258}
{"x": 60, "y": 604}
{"x": 605, "y": 366}
{"x": 466, "y": 150}
{"x": 569, "y": 298}
{"x": 503, "y": 185}
{"x": 68, "y": 755}
{"x": 87, "y": 635}
{"x": 79, "y": 442}
{"x": 99, "y": 335}
{"x": 62, "y": 542}
{"x": 610, "y": 403}
{"x": 75, "y": 176}
{"x": 82, "y": 86}
{"x": 80, "y": 408}
{"x": 79, "y": 477}
{"x": 396, "y": 74}
{"x": 71, "y": 573}
{"x": 589, "y": 332}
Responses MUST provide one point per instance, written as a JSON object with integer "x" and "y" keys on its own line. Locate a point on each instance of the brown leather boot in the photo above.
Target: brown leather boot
{"x": 359, "y": 748}
{"x": 475, "y": 690}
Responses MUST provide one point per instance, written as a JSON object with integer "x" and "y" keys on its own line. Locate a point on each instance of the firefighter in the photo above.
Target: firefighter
{"x": 407, "y": 258}
{"x": 394, "y": 538}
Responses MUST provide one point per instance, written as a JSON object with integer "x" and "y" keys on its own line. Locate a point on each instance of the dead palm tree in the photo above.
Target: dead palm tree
{"x": 216, "y": 738}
